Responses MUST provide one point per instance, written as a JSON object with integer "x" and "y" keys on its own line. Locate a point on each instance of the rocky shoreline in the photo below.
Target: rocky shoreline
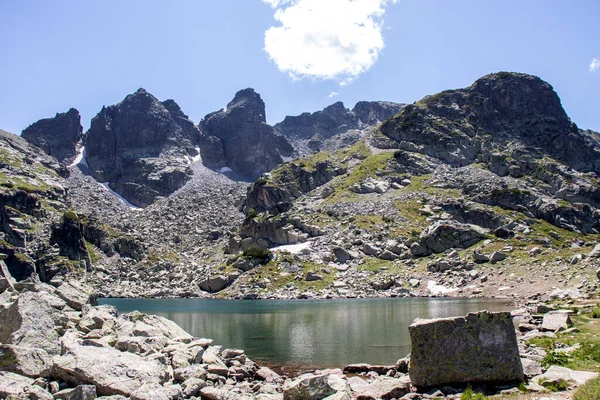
{"x": 56, "y": 344}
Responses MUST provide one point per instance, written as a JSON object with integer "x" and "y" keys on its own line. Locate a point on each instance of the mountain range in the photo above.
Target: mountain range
{"x": 484, "y": 190}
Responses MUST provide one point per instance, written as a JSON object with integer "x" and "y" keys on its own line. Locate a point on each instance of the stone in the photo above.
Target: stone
{"x": 595, "y": 253}
{"x": 6, "y": 279}
{"x": 26, "y": 361}
{"x": 191, "y": 387}
{"x": 556, "y": 373}
{"x": 308, "y": 386}
{"x": 77, "y": 295}
{"x": 152, "y": 391}
{"x": 497, "y": 256}
{"x": 13, "y": 384}
{"x": 29, "y": 322}
{"x": 481, "y": 347}
{"x": 81, "y": 392}
{"x": 365, "y": 368}
{"x": 531, "y": 368}
{"x": 311, "y": 277}
{"x": 105, "y": 368}
{"x": 215, "y": 283}
{"x": 57, "y": 136}
{"x": 383, "y": 387}
{"x": 341, "y": 255}
{"x": 556, "y": 320}
{"x": 192, "y": 372}
{"x": 443, "y": 235}
{"x": 37, "y": 393}
{"x": 268, "y": 375}
{"x": 478, "y": 257}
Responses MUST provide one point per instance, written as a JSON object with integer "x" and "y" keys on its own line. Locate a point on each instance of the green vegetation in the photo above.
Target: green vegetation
{"x": 589, "y": 391}
{"x": 559, "y": 386}
{"x": 587, "y": 336}
{"x": 71, "y": 215}
{"x": 468, "y": 394}
{"x": 257, "y": 253}
{"x": 94, "y": 258}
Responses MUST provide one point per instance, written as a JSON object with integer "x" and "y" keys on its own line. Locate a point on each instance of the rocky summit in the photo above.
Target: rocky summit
{"x": 58, "y": 136}
{"x": 141, "y": 147}
{"x": 239, "y": 138}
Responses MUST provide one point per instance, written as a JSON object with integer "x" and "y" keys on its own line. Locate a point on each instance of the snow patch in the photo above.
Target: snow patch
{"x": 80, "y": 159}
{"x": 225, "y": 169}
{"x": 436, "y": 289}
{"x": 118, "y": 196}
{"x": 198, "y": 157}
{"x": 293, "y": 248}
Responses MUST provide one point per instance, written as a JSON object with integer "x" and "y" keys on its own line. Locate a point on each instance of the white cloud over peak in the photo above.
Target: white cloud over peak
{"x": 594, "y": 65}
{"x": 326, "y": 39}
{"x": 332, "y": 94}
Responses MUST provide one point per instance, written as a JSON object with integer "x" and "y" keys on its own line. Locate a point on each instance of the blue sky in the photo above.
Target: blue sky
{"x": 85, "y": 54}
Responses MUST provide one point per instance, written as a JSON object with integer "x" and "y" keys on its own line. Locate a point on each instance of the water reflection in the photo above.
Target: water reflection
{"x": 328, "y": 333}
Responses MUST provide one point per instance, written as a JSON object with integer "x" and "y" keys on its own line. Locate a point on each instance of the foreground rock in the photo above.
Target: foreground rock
{"x": 481, "y": 347}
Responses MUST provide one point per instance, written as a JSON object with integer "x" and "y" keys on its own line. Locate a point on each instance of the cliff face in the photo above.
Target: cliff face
{"x": 239, "y": 137}
{"x": 57, "y": 136}
{"x": 141, "y": 147}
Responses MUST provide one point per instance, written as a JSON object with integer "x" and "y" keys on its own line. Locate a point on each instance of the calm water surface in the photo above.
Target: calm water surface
{"x": 309, "y": 333}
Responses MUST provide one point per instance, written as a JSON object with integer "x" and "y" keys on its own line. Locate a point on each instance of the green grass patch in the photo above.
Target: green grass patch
{"x": 589, "y": 391}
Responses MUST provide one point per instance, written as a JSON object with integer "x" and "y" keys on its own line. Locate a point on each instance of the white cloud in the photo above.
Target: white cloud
{"x": 326, "y": 39}
{"x": 594, "y": 65}
{"x": 333, "y": 94}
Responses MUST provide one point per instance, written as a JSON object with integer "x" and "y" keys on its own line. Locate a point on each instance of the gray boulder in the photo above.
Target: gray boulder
{"x": 6, "y": 279}
{"x": 77, "y": 294}
{"x": 308, "y": 386}
{"x": 106, "y": 368}
{"x": 29, "y": 322}
{"x": 481, "y": 347}
{"x": 81, "y": 392}
{"x": 215, "y": 283}
{"x": 443, "y": 235}
{"x": 556, "y": 320}
{"x": 595, "y": 253}
{"x": 13, "y": 384}
{"x": 25, "y": 361}
{"x": 57, "y": 136}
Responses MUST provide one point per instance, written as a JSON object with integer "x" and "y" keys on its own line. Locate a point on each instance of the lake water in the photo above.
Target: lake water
{"x": 303, "y": 334}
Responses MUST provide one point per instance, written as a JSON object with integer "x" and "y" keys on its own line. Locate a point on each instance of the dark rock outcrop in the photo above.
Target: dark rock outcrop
{"x": 336, "y": 119}
{"x": 498, "y": 111}
{"x": 289, "y": 182}
{"x": 239, "y": 137}
{"x": 141, "y": 147}
{"x": 57, "y": 136}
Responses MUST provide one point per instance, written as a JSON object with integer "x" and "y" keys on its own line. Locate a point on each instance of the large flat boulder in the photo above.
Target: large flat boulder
{"x": 556, "y": 320}
{"x": 111, "y": 371}
{"x": 481, "y": 347}
{"x": 77, "y": 295}
{"x": 30, "y": 322}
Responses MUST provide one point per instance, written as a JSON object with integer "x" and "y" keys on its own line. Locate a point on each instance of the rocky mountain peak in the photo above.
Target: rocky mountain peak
{"x": 240, "y": 139}
{"x": 500, "y": 112}
{"x": 57, "y": 136}
{"x": 141, "y": 147}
